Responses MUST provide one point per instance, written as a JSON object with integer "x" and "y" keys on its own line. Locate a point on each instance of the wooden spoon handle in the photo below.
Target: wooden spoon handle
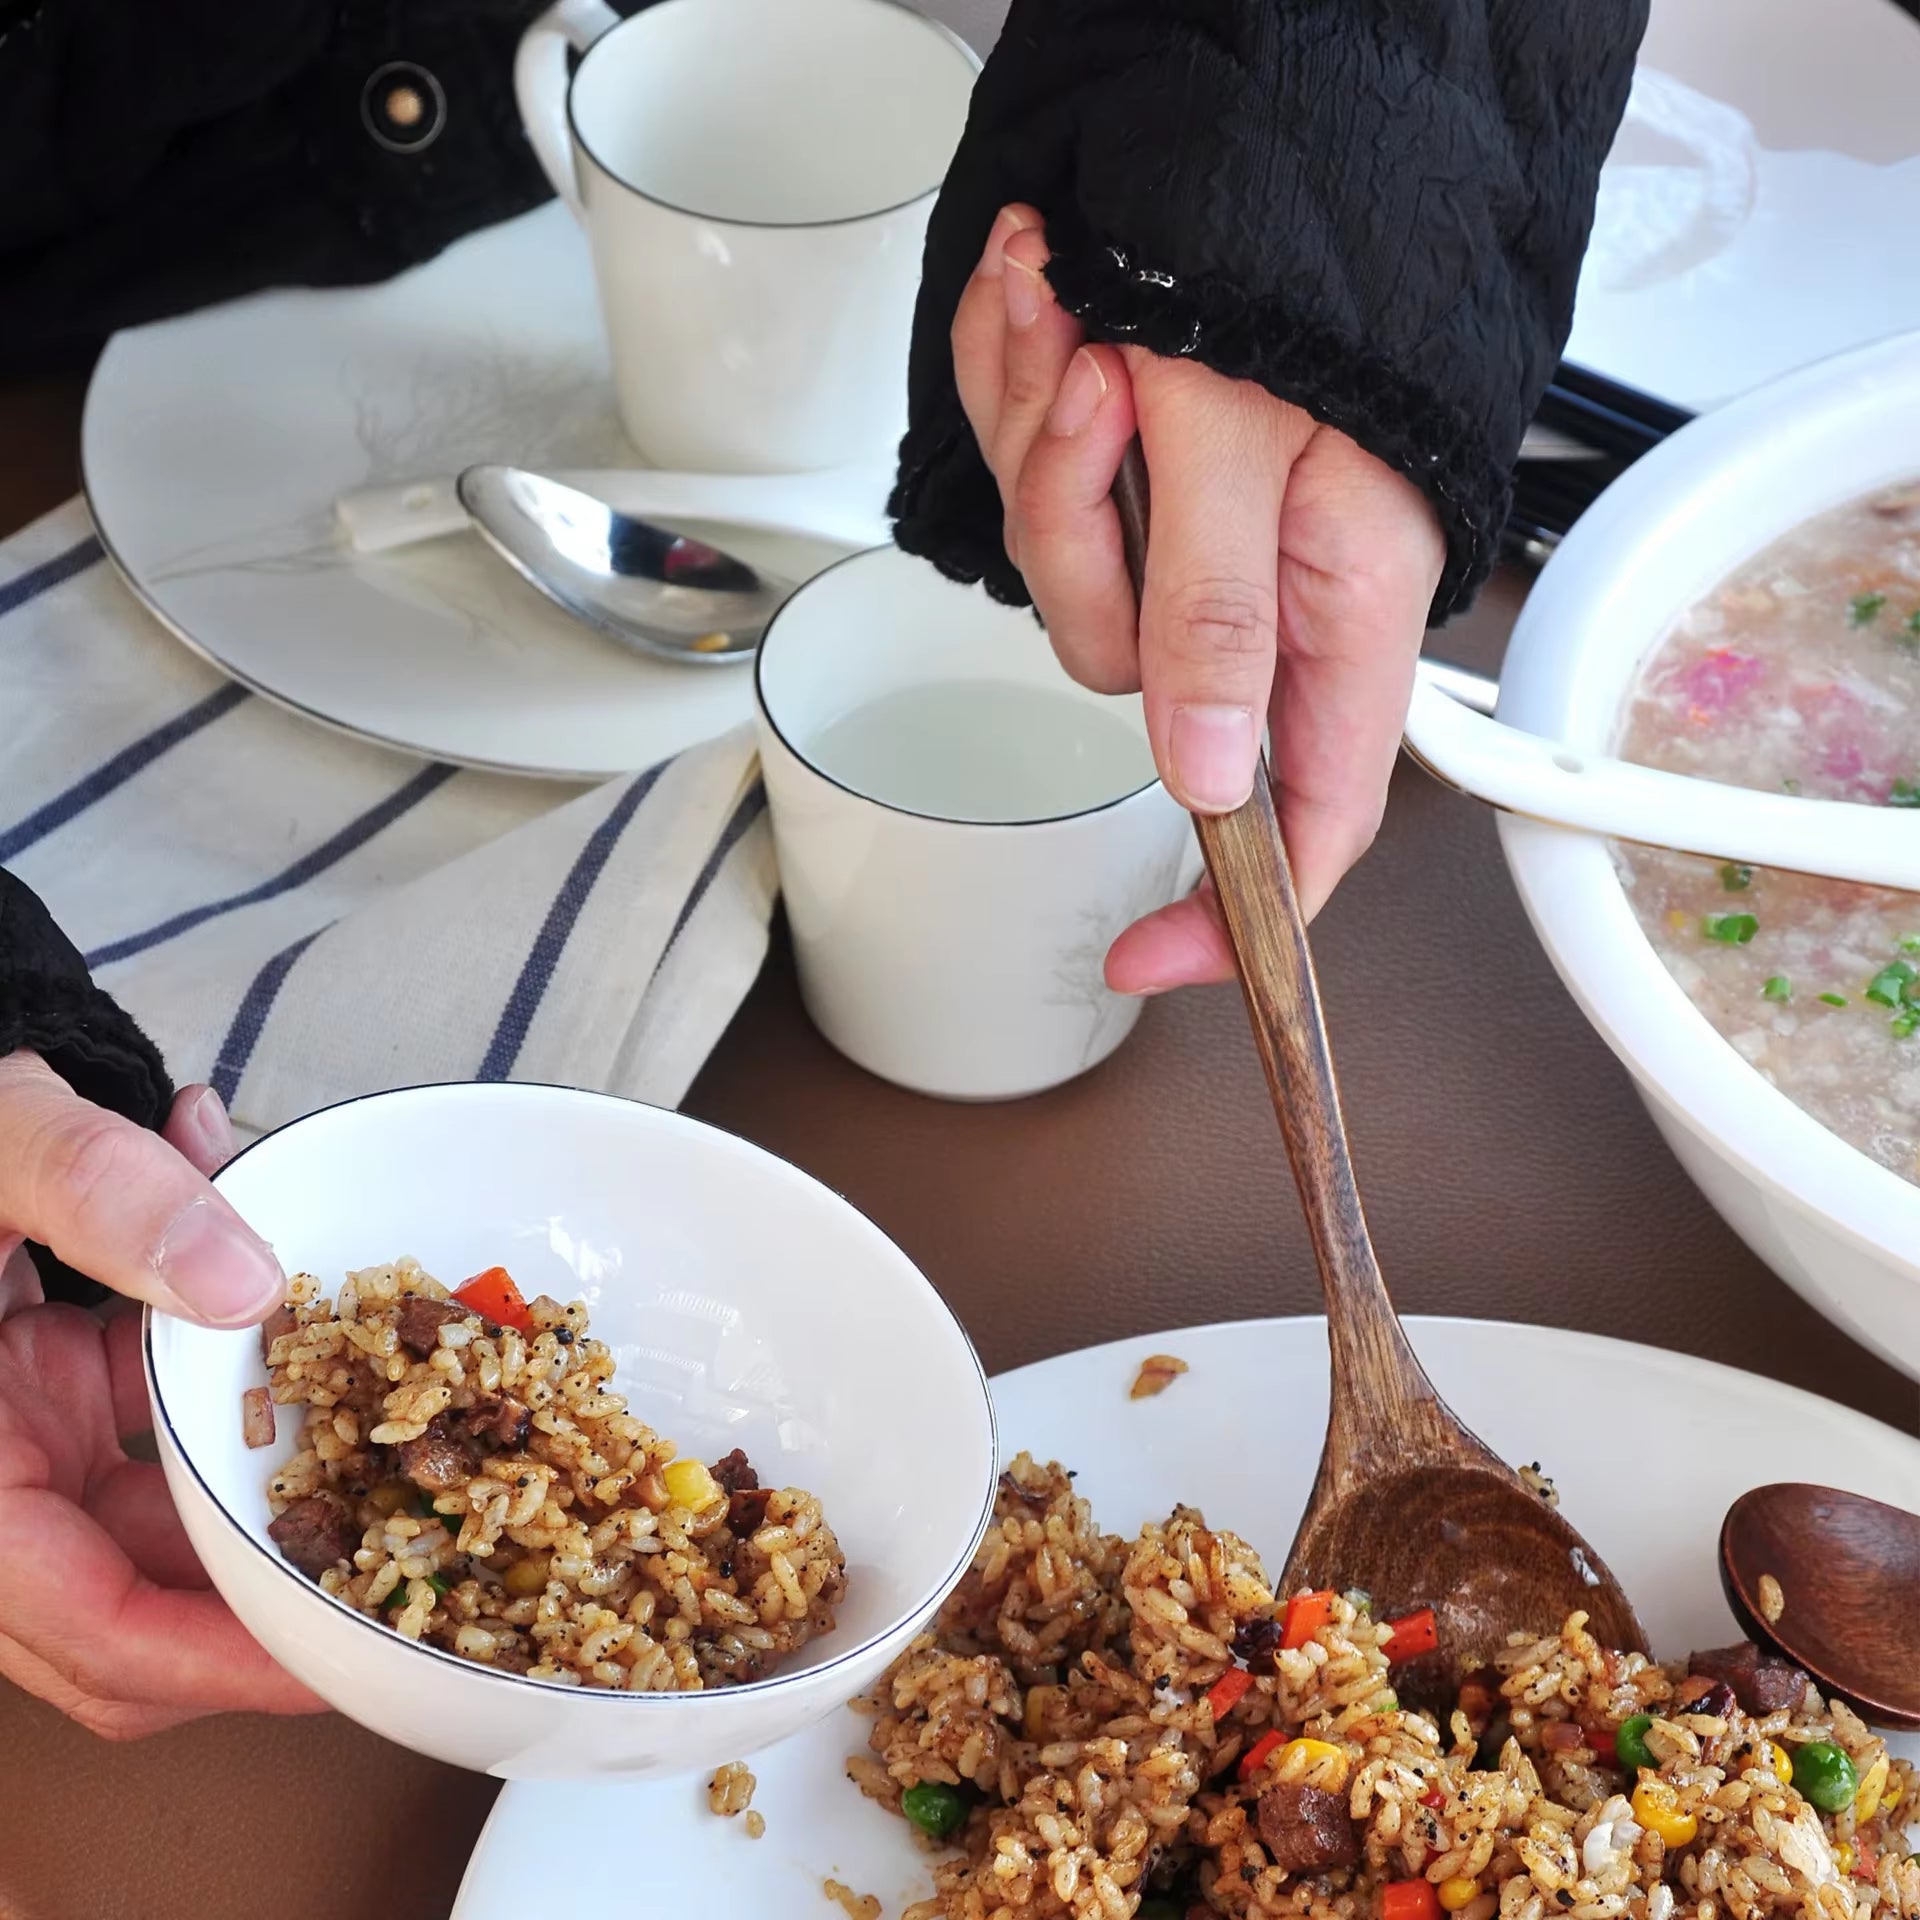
{"x": 1372, "y": 1360}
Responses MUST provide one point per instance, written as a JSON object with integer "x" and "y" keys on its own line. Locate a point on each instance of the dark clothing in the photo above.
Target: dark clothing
{"x": 1374, "y": 208}
{"x": 48, "y": 1003}
{"x": 155, "y": 158}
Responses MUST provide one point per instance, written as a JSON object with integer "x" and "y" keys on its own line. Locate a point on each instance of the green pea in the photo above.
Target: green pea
{"x": 1630, "y": 1743}
{"x": 935, "y": 1808}
{"x": 1825, "y": 1775}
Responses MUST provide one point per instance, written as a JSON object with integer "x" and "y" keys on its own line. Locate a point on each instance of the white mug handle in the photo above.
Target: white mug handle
{"x": 540, "y": 81}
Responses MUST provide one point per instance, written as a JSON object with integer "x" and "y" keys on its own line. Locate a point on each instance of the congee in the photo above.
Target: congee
{"x": 1800, "y": 673}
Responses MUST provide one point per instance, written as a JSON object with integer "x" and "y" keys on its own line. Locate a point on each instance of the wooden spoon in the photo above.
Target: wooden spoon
{"x": 1848, "y": 1571}
{"x": 1408, "y": 1505}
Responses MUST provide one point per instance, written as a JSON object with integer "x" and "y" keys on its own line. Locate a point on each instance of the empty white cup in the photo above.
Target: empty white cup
{"x": 961, "y": 831}
{"x": 754, "y": 178}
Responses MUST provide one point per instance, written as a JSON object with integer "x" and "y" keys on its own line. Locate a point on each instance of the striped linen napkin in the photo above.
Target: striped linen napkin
{"x": 300, "y": 917}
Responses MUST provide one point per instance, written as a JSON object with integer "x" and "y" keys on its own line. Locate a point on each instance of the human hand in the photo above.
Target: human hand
{"x": 1288, "y": 576}
{"x": 104, "y": 1609}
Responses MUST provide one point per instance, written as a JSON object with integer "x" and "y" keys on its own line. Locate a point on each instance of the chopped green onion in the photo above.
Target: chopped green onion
{"x": 1887, "y": 985}
{"x": 1386, "y": 1701}
{"x": 1864, "y": 609}
{"x": 1834, "y": 999}
{"x": 439, "y": 1583}
{"x": 1909, "y": 943}
{"x": 1730, "y": 929}
{"x": 1906, "y": 793}
{"x": 1905, "y": 1025}
{"x": 1790, "y": 785}
{"x": 394, "y": 1599}
{"x": 1778, "y": 988}
{"x": 1735, "y": 877}
{"x": 1911, "y": 626}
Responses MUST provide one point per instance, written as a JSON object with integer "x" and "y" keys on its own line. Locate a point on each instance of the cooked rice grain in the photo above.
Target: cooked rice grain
{"x": 562, "y": 1554}
{"x": 1064, "y": 1687}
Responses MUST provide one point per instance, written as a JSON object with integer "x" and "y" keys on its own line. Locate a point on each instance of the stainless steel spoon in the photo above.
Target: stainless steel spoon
{"x": 656, "y": 591}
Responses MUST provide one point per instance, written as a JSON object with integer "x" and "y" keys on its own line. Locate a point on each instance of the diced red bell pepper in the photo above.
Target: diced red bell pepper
{"x": 1412, "y": 1635}
{"x": 1307, "y": 1613}
{"x": 1255, "y": 1756}
{"x": 1225, "y": 1692}
{"x": 1866, "y": 1862}
{"x": 494, "y": 1296}
{"x": 1409, "y": 1900}
{"x": 1435, "y": 1798}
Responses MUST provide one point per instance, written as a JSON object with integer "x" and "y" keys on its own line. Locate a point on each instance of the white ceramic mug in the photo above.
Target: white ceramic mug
{"x": 754, "y": 178}
{"x": 955, "y": 953}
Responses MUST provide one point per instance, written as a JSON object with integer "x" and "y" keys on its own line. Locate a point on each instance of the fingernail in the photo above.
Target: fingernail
{"x": 1212, "y": 751}
{"x": 1079, "y": 397}
{"x": 1023, "y": 294}
{"x": 210, "y": 1133}
{"x": 1004, "y": 228}
{"x": 216, "y": 1270}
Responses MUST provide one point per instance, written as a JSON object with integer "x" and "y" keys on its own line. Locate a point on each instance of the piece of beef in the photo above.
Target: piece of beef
{"x": 419, "y": 1321}
{"x": 1762, "y": 1682}
{"x": 747, "y": 1510}
{"x": 446, "y": 1456}
{"x": 280, "y": 1320}
{"x": 1307, "y": 1830}
{"x": 315, "y": 1533}
{"x": 735, "y": 1473}
{"x": 499, "y": 1420}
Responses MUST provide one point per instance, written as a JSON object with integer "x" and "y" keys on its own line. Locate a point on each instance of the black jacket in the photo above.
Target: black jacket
{"x": 1375, "y": 208}
{"x": 157, "y": 157}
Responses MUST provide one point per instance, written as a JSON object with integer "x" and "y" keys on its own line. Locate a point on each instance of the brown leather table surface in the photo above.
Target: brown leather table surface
{"x": 1509, "y": 1168}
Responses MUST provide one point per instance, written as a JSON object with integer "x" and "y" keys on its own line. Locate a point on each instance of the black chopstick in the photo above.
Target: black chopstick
{"x": 1582, "y": 383}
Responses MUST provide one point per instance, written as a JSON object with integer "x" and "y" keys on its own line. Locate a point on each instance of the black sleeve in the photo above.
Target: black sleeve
{"x": 157, "y": 157}
{"x": 48, "y": 1003}
{"x": 1374, "y": 208}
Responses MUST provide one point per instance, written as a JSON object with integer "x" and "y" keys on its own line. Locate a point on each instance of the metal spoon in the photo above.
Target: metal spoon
{"x": 655, "y": 591}
{"x": 1847, "y": 1606}
{"x": 1408, "y": 1504}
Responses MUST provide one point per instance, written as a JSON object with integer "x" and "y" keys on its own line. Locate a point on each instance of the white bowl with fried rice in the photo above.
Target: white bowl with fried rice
{"x": 586, "y": 1448}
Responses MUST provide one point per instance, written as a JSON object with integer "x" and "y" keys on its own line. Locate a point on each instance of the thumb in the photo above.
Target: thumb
{"x": 121, "y": 1205}
{"x": 1209, "y": 614}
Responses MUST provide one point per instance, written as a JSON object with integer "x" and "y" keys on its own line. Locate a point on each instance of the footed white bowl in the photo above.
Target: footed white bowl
{"x": 746, "y": 1306}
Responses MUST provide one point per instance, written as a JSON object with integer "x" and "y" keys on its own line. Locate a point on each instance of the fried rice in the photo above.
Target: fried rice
{"x": 478, "y": 1487}
{"x": 1060, "y": 1710}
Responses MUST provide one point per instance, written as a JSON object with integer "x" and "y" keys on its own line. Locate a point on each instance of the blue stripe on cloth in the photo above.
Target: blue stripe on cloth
{"x": 230, "y": 1063}
{"x": 355, "y": 834}
{"x": 116, "y": 772}
{"x": 49, "y": 573}
{"x": 536, "y": 973}
{"x": 752, "y": 805}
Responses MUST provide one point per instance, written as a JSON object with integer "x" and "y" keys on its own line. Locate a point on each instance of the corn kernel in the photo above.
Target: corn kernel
{"x": 1873, "y": 1790}
{"x": 690, "y": 1485}
{"x": 1039, "y": 1707}
{"x": 1895, "y": 1793}
{"x": 1782, "y": 1762}
{"x": 390, "y": 1496}
{"x": 1657, "y": 1809}
{"x": 526, "y": 1577}
{"x": 1458, "y": 1892}
{"x": 1843, "y": 1856}
{"x": 1313, "y": 1754}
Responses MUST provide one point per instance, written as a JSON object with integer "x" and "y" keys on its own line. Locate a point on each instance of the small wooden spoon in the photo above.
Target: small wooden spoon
{"x": 1408, "y": 1505}
{"x": 1848, "y": 1570}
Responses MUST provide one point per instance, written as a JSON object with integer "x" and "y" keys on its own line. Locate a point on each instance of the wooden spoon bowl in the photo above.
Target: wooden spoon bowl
{"x": 1847, "y": 1574}
{"x": 1408, "y": 1504}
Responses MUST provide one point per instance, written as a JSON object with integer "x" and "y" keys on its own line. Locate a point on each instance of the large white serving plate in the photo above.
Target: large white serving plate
{"x": 215, "y": 446}
{"x": 1648, "y": 1449}
{"x": 1753, "y": 209}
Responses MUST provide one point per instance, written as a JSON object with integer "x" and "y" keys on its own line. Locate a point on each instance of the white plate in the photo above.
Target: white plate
{"x": 215, "y": 446}
{"x": 1755, "y": 210}
{"x": 1656, "y": 1448}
